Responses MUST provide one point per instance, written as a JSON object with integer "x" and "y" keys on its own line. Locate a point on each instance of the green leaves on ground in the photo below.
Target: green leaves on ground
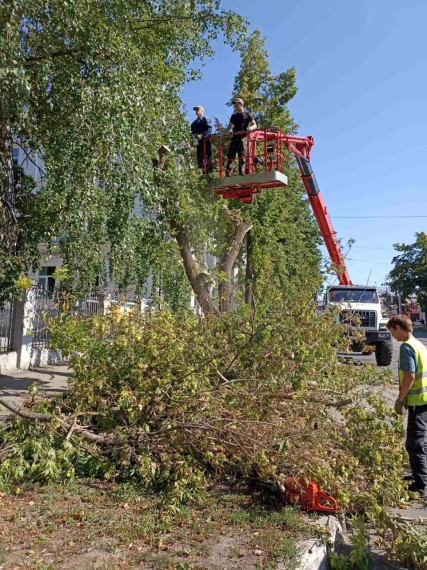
{"x": 180, "y": 402}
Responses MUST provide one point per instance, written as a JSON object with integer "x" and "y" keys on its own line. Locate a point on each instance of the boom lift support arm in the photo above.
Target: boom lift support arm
{"x": 301, "y": 148}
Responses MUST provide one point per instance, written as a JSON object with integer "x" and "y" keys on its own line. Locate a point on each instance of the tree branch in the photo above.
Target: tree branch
{"x": 28, "y": 157}
{"x": 59, "y": 53}
{"x": 239, "y": 230}
{"x": 68, "y": 427}
{"x": 339, "y": 404}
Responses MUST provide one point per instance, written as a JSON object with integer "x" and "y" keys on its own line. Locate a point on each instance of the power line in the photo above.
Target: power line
{"x": 374, "y": 217}
{"x": 369, "y": 261}
{"x": 368, "y": 247}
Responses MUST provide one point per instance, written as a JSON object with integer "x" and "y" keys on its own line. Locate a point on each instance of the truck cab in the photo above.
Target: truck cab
{"x": 360, "y": 309}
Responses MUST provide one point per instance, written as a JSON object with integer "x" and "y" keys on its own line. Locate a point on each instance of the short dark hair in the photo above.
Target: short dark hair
{"x": 403, "y": 321}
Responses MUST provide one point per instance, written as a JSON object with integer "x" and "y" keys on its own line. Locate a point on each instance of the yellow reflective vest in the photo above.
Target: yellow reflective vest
{"x": 417, "y": 395}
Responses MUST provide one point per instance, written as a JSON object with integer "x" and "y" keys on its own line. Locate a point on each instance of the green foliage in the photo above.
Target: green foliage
{"x": 24, "y": 255}
{"x": 23, "y": 283}
{"x": 369, "y": 427}
{"x": 404, "y": 541}
{"x": 264, "y": 94}
{"x": 283, "y": 256}
{"x": 409, "y": 274}
{"x": 186, "y": 401}
{"x": 359, "y": 557}
{"x": 93, "y": 88}
{"x": 39, "y": 453}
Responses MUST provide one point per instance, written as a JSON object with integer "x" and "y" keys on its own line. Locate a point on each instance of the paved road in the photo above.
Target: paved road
{"x": 360, "y": 358}
{"x": 14, "y": 385}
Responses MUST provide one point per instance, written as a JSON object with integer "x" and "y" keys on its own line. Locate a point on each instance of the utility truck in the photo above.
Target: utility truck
{"x": 267, "y": 150}
{"x": 358, "y": 308}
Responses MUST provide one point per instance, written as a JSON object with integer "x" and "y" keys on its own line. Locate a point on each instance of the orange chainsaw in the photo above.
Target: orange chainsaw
{"x": 308, "y": 496}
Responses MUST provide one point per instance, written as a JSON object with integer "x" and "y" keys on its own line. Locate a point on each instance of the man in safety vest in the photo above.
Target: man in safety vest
{"x": 412, "y": 366}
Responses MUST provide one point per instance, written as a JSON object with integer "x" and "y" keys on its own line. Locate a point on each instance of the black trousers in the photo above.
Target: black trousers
{"x": 416, "y": 443}
{"x": 205, "y": 161}
{"x": 237, "y": 146}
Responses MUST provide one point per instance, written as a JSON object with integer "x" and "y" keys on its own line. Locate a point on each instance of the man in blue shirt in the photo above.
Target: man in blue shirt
{"x": 201, "y": 129}
{"x": 413, "y": 396}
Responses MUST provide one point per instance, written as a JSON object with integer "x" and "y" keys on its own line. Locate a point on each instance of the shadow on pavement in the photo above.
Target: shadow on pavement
{"x": 14, "y": 384}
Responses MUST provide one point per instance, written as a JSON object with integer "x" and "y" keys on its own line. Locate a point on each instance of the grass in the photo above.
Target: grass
{"x": 105, "y": 525}
{"x": 277, "y": 545}
{"x": 2, "y": 552}
{"x": 288, "y": 518}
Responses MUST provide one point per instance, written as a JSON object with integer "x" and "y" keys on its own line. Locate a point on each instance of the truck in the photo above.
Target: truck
{"x": 359, "y": 310}
{"x": 358, "y": 307}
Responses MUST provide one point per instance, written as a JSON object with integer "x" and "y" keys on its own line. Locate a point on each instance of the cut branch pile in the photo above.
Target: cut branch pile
{"x": 172, "y": 402}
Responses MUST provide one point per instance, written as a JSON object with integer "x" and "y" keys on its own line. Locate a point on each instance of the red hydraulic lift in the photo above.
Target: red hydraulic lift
{"x": 265, "y": 159}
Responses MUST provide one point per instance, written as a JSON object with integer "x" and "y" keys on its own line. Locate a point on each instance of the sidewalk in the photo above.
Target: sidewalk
{"x": 14, "y": 385}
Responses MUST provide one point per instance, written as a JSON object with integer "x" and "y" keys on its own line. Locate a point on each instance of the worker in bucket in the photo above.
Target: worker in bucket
{"x": 413, "y": 396}
{"x": 201, "y": 130}
{"x": 242, "y": 122}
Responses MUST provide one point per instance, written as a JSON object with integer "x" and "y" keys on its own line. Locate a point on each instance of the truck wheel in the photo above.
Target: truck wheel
{"x": 384, "y": 352}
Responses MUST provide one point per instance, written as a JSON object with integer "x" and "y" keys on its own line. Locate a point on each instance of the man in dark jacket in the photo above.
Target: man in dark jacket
{"x": 201, "y": 130}
{"x": 241, "y": 122}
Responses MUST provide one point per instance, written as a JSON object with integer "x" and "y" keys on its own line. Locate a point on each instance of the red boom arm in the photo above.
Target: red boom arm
{"x": 301, "y": 148}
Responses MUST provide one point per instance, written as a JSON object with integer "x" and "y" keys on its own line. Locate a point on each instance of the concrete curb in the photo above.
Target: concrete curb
{"x": 316, "y": 553}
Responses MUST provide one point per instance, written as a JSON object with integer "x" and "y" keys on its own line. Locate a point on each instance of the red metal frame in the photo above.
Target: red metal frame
{"x": 273, "y": 143}
{"x": 260, "y": 136}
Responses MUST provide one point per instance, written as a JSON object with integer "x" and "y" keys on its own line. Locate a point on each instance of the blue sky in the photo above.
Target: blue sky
{"x": 361, "y": 70}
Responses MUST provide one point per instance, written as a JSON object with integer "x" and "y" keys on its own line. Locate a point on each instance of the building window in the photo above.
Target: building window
{"x": 46, "y": 281}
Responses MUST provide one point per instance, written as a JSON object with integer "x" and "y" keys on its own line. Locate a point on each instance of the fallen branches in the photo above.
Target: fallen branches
{"x": 68, "y": 427}
{"x": 170, "y": 401}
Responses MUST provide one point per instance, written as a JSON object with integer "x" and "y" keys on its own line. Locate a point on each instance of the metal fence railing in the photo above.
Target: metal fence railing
{"x": 43, "y": 304}
{"x": 6, "y": 327}
{"x": 48, "y": 304}
{"x": 89, "y": 306}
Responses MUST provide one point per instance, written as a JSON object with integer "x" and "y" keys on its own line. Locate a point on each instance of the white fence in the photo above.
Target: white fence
{"x": 24, "y": 333}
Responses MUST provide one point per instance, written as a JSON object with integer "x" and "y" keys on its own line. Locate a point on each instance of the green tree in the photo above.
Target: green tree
{"x": 266, "y": 95}
{"x": 282, "y": 258}
{"x": 409, "y": 274}
{"x": 93, "y": 87}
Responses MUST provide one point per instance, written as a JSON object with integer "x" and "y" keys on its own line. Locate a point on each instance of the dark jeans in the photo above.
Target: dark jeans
{"x": 205, "y": 161}
{"x": 416, "y": 443}
{"x": 237, "y": 146}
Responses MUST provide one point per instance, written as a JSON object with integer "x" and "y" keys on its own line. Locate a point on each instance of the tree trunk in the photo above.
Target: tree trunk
{"x": 8, "y": 222}
{"x": 227, "y": 301}
{"x": 197, "y": 275}
{"x": 249, "y": 274}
